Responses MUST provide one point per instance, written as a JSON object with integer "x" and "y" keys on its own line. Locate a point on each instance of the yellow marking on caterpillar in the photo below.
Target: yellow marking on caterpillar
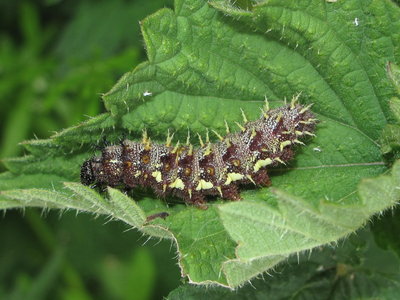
{"x": 294, "y": 100}
{"x": 226, "y": 127}
{"x": 208, "y": 150}
{"x": 188, "y": 138}
{"x": 144, "y": 136}
{"x": 253, "y": 133}
{"x": 279, "y": 117}
{"x": 240, "y": 126}
{"x": 227, "y": 142}
{"x": 279, "y": 160}
{"x": 169, "y": 139}
{"x": 190, "y": 152}
{"x": 309, "y": 121}
{"x": 200, "y": 140}
{"x": 251, "y": 179}
{"x": 284, "y": 144}
{"x": 204, "y": 185}
{"x": 219, "y": 190}
{"x": 262, "y": 163}
{"x": 244, "y": 116}
{"x": 233, "y": 177}
{"x": 264, "y": 113}
{"x": 176, "y": 148}
{"x": 146, "y": 140}
{"x": 266, "y": 104}
{"x": 309, "y": 133}
{"x": 207, "y": 137}
{"x": 218, "y": 135}
{"x": 147, "y": 145}
{"x": 178, "y": 184}
{"x": 157, "y": 175}
{"x": 306, "y": 108}
{"x": 137, "y": 174}
{"x": 298, "y": 142}
{"x": 236, "y": 162}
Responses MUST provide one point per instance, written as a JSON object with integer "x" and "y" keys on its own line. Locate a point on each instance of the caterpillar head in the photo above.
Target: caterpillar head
{"x": 87, "y": 175}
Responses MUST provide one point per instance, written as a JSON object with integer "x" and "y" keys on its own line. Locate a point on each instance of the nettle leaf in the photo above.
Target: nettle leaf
{"x": 386, "y": 231}
{"x": 357, "y": 269}
{"x": 205, "y": 62}
{"x": 390, "y": 139}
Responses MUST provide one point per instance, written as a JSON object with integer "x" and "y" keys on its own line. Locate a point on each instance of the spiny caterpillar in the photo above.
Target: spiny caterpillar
{"x": 212, "y": 169}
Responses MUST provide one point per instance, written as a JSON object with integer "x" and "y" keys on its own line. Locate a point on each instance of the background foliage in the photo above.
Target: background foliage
{"x": 56, "y": 59}
{"x": 336, "y": 81}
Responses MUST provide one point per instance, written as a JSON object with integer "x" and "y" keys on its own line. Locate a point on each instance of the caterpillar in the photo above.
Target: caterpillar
{"x": 212, "y": 169}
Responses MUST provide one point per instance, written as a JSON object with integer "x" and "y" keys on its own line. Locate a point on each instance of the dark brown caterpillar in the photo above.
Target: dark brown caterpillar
{"x": 213, "y": 169}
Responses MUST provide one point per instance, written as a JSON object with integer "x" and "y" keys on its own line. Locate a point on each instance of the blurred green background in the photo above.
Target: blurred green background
{"x": 56, "y": 59}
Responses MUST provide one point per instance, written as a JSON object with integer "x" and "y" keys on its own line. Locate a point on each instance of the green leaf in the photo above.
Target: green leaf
{"x": 386, "y": 231}
{"x": 394, "y": 75}
{"x": 357, "y": 269}
{"x": 390, "y": 139}
{"x": 294, "y": 225}
{"x": 85, "y": 37}
{"x": 39, "y": 286}
{"x": 136, "y": 279}
{"x": 204, "y": 64}
{"x": 395, "y": 106}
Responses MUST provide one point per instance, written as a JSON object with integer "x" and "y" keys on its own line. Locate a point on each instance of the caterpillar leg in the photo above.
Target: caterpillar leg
{"x": 231, "y": 192}
{"x": 197, "y": 200}
{"x": 262, "y": 178}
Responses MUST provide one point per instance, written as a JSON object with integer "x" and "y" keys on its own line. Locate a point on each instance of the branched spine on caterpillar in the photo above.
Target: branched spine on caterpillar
{"x": 212, "y": 169}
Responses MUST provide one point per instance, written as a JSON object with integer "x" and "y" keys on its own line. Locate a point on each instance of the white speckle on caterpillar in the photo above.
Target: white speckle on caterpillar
{"x": 211, "y": 169}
